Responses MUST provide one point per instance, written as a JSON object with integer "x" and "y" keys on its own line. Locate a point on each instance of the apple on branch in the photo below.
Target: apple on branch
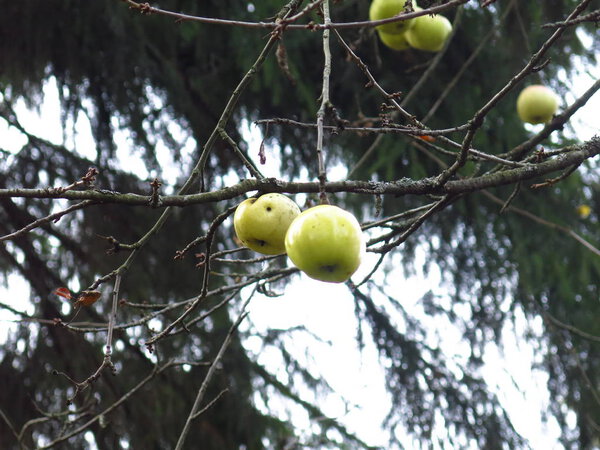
{"x": 261, "y": 223}
{"x": 385, "y": 9}
{"x": 537, "y": 104}
{"x": 429, "y": 32}
{"x": 393, "y": 41}
{"x": 326, "y": 243}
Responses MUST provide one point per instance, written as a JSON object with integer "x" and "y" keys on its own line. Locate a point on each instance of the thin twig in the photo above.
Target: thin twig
{"x": 553, "y": 181}
{"x": 401, "y": 215}
{"x": 569, "y": 232}
{"x": 362, "y": 130}
{"x": 238, "y": 151}
{"x": 9, "y": 424}
{"x": 571, "y": 328}
{"x": 209, "y": 375}
{"x": 575, "y": 354}
{"x": 44, "y": 220}
{"x": 179, "y": 254}
{"x": 205, "y": 276}
{"x": 210, "y": 404}
{"x": 438, "y": 206}
{"x": 594, "y": 16}
{"x": 113, "y": 316}
{"x": 510, "y": 198}
{"x": 156, "y": 371}
{"x": 145, "y": 8}
{"x": 325, "y": 105}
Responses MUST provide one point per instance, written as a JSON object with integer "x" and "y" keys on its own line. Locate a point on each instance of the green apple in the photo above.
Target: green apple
{"x": 326, "y": 243}
{"x": 429, "y": 32}
{"x": 384, "y": 9}
{"x": 261, "y": 223}
{"x": 394, "y": 41}
{"x": 537, "y": 104}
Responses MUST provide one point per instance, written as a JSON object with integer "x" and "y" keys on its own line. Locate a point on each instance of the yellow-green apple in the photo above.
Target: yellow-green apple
{"x": 429, "y": 33}
{"x": 326, "y": 243}
{"x": 384, "y": 9}
{"x": 261, "y": 223}
{"x": 536, "y": 104}
{"x": 394, "y": 41}
{"x": 584, "y": 211}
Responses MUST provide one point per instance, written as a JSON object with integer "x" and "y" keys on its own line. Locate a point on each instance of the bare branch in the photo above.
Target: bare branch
{"x": 44, "y": 220}
{"x": 544, "y": 222}
{"x": 594, "y": 16}
{"x": 210, "y": 374}
{"x": 325, "y": 104}
{"x": 157, "y": 370}
{"x": 9, "y": 424}
{"x": 145, "y": 8}
{"x": 577, "y": 155}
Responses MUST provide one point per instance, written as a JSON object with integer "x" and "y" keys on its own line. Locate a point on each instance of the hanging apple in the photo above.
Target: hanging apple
{"x": 393, "y": 41}
{"x": 584, "y": 211}
{"x": 429, "y": 32}
{"x": 261, "y": 223}
{"x": 326, "y": 243}
{"x": 384, "y": 9}
{"x": 537, "y": 104}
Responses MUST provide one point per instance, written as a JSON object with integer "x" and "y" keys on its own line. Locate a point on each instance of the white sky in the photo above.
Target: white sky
{"x": 327, "y": 310}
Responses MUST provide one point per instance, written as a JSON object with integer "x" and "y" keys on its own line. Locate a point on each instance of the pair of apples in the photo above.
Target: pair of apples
{"x": 428, "y": 32}
{"x": 325, "y": 242}
{"x": 535, "y": 104}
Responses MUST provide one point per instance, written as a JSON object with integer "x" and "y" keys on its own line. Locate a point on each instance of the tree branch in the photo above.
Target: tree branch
{"x": 210, "y": 374}
{"x": 577, "y": 155}
{"x": 145, "y": 8}
{"x": 325, "y": 104}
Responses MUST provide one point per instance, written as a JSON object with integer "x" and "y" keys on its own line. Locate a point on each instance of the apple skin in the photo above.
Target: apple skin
{"x": 394, "y": 41}
{"x": 429, "y": 33}
{"x": 261, "y": 223}
{"x": 536, "y": 104}
{"x": 584, "y": 211}
{"x": 384, "y": 9}
{"x": 326, "y": 243}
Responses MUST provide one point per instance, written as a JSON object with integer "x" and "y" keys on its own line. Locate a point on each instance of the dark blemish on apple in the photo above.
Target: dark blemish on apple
{"x": 329, "y": 268}
{"x": 261, "y": 242}
{"x": 269, "y": 208}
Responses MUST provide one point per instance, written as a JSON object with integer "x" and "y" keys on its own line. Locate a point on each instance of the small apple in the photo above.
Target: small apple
{"x": 393, "y": 41}
{"x": 261, "y": 223}
{"x": 584, "y": 211}
{"x": 429, "y": 33}
{"x": 537, "y": 104}
{"x": 384, "y": 9}
{"x": 326, "y": 243}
